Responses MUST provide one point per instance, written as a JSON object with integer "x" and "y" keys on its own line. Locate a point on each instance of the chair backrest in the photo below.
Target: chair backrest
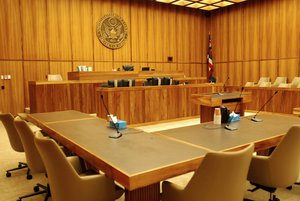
{"x": 249, "y": 84}
{"x": 279, "y": 80}
{"x": 284, "y": 85}
{"x": 221, "y": 176}
{"x": 284, "y": 164}
{"x": 265, "y": 84}
{"x": 13, "y": 135}
{"x": 65, "y": 182}
{"x": 33, "y": 157}
{"x": 263, "y": 79}
{"x": 54, "y": 77}
{"x": 295, "y": 82}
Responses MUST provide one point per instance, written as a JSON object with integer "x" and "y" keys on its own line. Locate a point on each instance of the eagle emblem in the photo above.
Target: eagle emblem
{"x": 112, "y": 31}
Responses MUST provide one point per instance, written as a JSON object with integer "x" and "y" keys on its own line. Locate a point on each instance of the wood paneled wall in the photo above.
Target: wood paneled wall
{"x": 256, "y": 38}
{"x": 251, "y": 39}
{"x": 54, "y": 36}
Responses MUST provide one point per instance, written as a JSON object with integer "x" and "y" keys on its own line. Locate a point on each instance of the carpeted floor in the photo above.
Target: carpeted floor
{"x": 17, "y": 185}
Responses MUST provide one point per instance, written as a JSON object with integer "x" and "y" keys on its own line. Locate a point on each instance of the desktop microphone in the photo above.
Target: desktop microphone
{"x": 259, "y": 120}
{"x": 228, "y": 127}
{"x": 114, "y": 135}
{"x": 224, "y": 86}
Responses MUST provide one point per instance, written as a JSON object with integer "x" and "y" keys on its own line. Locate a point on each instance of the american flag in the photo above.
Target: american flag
{"x": 209, "y": 60}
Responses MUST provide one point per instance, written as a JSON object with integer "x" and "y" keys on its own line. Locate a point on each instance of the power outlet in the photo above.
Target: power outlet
{"x": 170, "y": 59}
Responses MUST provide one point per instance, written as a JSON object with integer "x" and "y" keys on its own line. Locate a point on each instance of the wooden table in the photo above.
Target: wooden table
{"x": 137, "y": 160}
{"x": 209, "y": 101}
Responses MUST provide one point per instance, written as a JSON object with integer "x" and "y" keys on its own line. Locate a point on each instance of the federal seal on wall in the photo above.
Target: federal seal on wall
{"x": 112, "y": 31}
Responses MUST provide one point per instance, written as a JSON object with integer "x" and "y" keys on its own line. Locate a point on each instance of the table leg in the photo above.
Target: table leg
{"x": 148, "y": 193}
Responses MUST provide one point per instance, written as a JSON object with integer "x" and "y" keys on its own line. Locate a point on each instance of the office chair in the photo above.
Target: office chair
{"x": 263, "y": 79}
{"x": 33, "y": 157}
{"x": 65, "y": 179}
{"x": 265, "y": 84}
{"x": 15, "y": 142}
{"x": 278, "y": 81}
{"x": 249, "y": 84}
{"x": 281, "y": 168}
{"x": 220, "y": 176}
{"x": 295, "y": 82}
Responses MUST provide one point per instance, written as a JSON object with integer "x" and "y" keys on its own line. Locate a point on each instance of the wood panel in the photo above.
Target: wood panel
{"x": 183, "y": 51}
{"x": 122, "y": 8}
{"x": 170, "y": 34}
{"x": 61, "y": 68}
{"x": 269, "y": 68}
{"x": 235, "y": 69}
{"x": 11, "y": 91}
{"x": 81, "y": 29}
{"x": 103, "y": 66}
{"x": 235, "y": 34}
{"x": 101, "y": 8}
{"x": 34, "y": 71}
{"x": 251, "y": 34}
{"x": 251, "y": 71}
{"x": 268, "y": 17}
{"x": 59, "y": 30}
{"x": 289, "y": 28}
{"x": 221, "y": 72}
{"x": 10, "y": 30}
{"x": 138, "y": 31}
{"x": 289, "y": 68}
{"x": 34, "y": 28}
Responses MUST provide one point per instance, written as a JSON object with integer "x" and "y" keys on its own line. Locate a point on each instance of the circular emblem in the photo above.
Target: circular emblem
{"x": 112, "y": 31}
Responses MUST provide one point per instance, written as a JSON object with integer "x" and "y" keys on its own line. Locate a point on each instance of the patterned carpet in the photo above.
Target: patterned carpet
{"x": 17, "y": 185}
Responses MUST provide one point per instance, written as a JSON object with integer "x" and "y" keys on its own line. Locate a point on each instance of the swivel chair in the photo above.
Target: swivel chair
{"x": 279, "y": 80}
{"x": 65, "y": 179}
{"x": 221, "y": 176}
{"x": 32, "y": 155}
{"x": 15, "y": 142}
{"x": 54, "y": 77}
{"x": 281, "y": 168}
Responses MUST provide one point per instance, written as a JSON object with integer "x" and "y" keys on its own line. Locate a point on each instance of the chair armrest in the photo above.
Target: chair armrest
{"x": 171, "y": 191}
{"x": 75, "y": 162}
{"x": 259, "y": 170}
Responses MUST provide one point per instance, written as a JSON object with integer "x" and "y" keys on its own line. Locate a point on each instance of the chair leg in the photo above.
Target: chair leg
{"x": 21, "y": 165}
{"x": 37, "y": 191}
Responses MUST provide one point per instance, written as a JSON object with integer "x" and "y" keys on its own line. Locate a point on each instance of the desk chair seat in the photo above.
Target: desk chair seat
{"x": 65, "y": 179}
{"x": 221, "y": 176}
{"x": 15, "y": 142}
{"x": 33, "y": 157}
{"x": 281, "y": 168}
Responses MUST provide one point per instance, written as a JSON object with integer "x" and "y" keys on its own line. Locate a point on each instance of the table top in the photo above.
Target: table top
{"x": 217, "y": 138}
{"x": 135, "y": 160}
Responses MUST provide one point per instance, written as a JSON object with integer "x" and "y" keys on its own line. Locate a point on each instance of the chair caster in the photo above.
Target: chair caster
{"x": 289, "y": 187}
{"x": 29, "y": 176}
{"x": 274, "y": 198}
{"x": 8, "y": 174}
{"x": 36, "y": 189}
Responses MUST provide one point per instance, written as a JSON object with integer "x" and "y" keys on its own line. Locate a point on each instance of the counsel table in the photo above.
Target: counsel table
{"x": 137, "y": 160}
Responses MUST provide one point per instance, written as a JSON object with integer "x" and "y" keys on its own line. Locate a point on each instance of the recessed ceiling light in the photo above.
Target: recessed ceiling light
{"x": 223, "y": 3}
{"x": 209, "y": 1}
{"x": 181, "y": 3}
{"x": 165, "y": 1}
{"x": 209, "y": 8}
{"x": 196, "y": 5}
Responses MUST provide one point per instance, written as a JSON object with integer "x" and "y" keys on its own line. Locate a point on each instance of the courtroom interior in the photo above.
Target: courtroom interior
{"x": 150, "y": 100}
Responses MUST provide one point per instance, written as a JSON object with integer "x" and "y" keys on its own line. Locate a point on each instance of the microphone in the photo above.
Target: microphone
{"x": 224, "y": 86}
{"x": 228, "y": 127}
{"x": 260, "y": 120}
{"x": 113, "y": 135}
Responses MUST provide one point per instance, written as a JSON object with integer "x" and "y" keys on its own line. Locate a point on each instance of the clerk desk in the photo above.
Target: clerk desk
{"x": 139, "y": 160}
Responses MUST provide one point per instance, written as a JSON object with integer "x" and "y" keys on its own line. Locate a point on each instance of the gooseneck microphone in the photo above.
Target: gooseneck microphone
{"x": 224, "y": 86}
{"x": 113, "y": 135}
{"x": 260, "y": 120}
{"x": 228, "y": 126}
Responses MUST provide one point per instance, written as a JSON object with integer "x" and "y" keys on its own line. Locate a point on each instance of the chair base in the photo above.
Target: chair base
{"x": 271, "y": 190}
{"x": 46, "y": 189}
{"x": 21, "y": 165}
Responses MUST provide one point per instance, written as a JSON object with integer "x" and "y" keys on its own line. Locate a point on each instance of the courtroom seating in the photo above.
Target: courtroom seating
{"x": 32, "y": 155}
{"x": 65, "y": 179}
{"x": 15, "y": 142}
{"x": 279, "y": 80}
{"x": 263, "y": 79}
{"x": 281, "y": 168}
{"x": 221, "y": 176}
{"x": 249, "y": 84}
{"x": 54, "y": 77}
{"x": 166, "y": 81}
{"x": 145, "y": 68}
{"x": 284, "y": 85}
{"x": 265, "y": 84}
{"x": 298, "y": 85}
{"x": 295, "y": 82}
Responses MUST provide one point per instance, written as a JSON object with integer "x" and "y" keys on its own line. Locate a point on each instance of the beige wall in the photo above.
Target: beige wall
{"x": 251, "y": 39}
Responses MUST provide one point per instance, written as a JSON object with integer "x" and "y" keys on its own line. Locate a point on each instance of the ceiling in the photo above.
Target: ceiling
{"x": 207, "y": 5}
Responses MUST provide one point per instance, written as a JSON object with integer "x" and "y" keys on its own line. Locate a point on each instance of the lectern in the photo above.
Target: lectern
{"x": 209, "y": 101}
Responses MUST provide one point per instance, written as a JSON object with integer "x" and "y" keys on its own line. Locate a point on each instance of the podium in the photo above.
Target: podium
{"x": 208, "y": 103}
